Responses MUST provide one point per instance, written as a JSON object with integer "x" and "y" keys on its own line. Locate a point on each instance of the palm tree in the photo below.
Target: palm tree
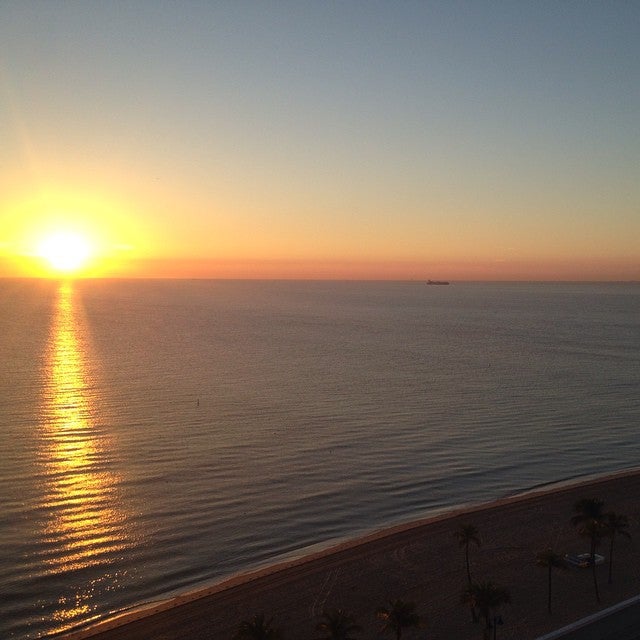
{"x": 615, "y": 524}
{"x": 466, "y": 535}
{"x": 337, "y": 625}
{"x": 551, "y": 560}
{"x": 590, "y": 520}
{"x": 488, "y": 597}
{"x": 258, "y": 628}
{"x": 398, "y": 616}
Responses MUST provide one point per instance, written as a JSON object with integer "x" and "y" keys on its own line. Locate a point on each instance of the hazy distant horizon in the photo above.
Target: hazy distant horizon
{"x": 620, "y": 271}
{"x": 318, "y": 279}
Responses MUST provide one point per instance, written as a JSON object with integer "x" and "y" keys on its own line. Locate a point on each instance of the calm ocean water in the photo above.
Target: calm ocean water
{"x": 159, "y": 435}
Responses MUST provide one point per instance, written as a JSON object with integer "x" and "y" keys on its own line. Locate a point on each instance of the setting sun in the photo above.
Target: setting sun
{"x": 65, "y": 251}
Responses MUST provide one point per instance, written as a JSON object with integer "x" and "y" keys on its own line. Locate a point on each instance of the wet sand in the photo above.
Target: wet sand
{"x": 420, "y": 562}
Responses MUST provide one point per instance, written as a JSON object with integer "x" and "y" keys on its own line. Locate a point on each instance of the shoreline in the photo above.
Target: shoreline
{"x": 333, "y": 550}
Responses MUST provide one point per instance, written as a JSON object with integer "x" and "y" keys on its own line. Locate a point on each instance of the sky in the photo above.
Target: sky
{"x": 349, "y": 140}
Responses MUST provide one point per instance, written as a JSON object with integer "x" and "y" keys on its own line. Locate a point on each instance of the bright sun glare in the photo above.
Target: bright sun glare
{"x": 65, "y": 251}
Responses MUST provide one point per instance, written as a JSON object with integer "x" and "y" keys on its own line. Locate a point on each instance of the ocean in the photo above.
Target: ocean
{"x": 160, "y": 435}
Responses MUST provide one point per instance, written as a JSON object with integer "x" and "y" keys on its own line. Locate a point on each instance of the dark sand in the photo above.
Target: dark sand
{"x": 420, "y": 562}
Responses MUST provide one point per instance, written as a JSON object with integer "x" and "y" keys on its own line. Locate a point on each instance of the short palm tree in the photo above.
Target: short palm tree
{"x": 551, "y": 560}
{"x": 615, "y": 524}
{"x": 488, "y": 597}
{"x": 590, "y": 520}
{"x": 258, "y": 628}
{"x": 466, "y": 535}
{"x": 400, "y": 615}
{"x": 337, "y": 625}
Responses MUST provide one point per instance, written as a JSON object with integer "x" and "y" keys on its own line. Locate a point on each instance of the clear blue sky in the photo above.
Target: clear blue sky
{"x": 395, "y": 139}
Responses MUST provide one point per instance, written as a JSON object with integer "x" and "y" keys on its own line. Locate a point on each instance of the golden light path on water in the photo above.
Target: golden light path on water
{"x": 84, "y": 530}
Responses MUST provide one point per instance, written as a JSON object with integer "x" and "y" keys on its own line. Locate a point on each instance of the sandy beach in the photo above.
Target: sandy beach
{"x": 420, "y": 562}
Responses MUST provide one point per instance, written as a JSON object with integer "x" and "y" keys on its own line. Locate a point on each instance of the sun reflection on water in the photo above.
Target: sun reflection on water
{"x": 85, "y": 530}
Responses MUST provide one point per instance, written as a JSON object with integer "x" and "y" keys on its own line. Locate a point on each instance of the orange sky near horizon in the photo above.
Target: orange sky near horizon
{"x": 605, "y": 270}
{"x": 130, "y": 247}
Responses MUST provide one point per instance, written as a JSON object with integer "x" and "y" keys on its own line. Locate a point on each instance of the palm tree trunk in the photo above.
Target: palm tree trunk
{"x": 474, "y": 615}
{"x": 593, "y": 567}
{"x": 486, "y": 632}
{"x": 549, "y": 591}
{"x": 611, "y": 558}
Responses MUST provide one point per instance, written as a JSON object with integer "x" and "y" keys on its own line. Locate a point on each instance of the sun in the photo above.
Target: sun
{"x": 65, "y": 251}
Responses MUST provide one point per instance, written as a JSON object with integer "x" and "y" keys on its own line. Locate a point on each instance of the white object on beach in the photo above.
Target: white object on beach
{"x": 582, "y": 559}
